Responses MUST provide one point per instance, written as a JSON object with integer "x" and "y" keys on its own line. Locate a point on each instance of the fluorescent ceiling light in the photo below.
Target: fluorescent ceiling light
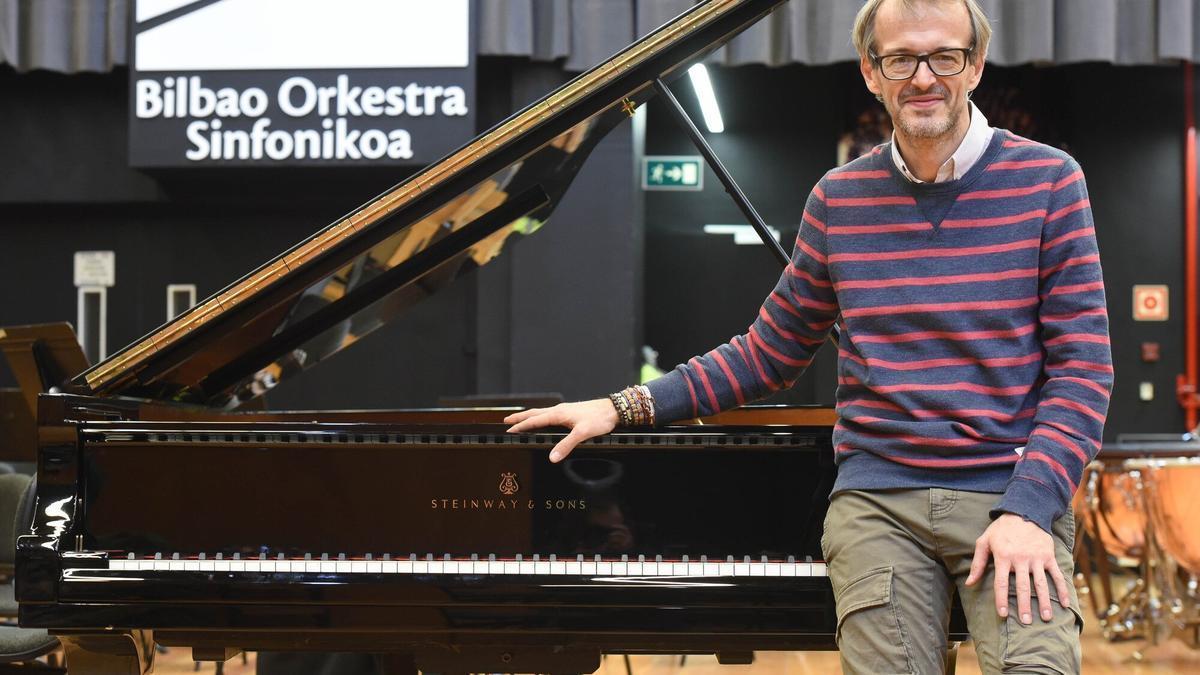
{"x": 708, "y": 100}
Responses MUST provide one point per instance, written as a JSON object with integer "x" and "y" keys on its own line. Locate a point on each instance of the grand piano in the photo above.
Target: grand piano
{"x": 168, "y": 510}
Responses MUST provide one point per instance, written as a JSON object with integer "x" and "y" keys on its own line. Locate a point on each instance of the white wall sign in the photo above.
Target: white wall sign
{"x": 309, "y": 82}
{"x": 96, "y": 268}
{"x": 742, "y": 234}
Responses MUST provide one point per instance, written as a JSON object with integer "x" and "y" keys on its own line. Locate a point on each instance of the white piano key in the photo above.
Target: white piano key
{"x": 558, "y": 568}
{"x": 512, "y": 567}
{"x": 479, "y": 567}
{"x": 804, "y": 569}
{"x": 637, "y": 569}
{"x": 116, "y": 564}
{"x": 527, "y": 567}
{"x": 574, "y": 567}
{"x": 541, "y": 568}
{"x": 676, "y": 569}
{"x": 695, "y": 569}
{"x": 434, "y": 566}
{"x": 328, "y": 567}
{"x": 313, "y": 566}
{"x": 788, "y": 569}
{"x": 604, "y": 569}
{"x": 650, "y": 569}
{"x": 589, "y": 569}
{"x": 392, "y": 567}
{"x": 207, "y": 566}
{"x": 712, "y": 569}
{"x": 620, "y": 569}
{"x": 741, "y": 569}
{"x": 267, "y": 565}
{"x": 358, "y": 567}
{"x": 773, "y": 570}
{"x": 495, "y": 567}
{"x": 374, "y": 567}
{"x": 726, "y": 569}
{"x": 252, "y": 565}
{"x": 820, "y": 570}
{"x": 420, "y": 567}
{"x": 758, "y": 570}
{"x": 342, "y": 566}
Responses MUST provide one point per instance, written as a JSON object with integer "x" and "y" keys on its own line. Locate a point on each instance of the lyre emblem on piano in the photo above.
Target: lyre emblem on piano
{"x": 508, "y": 483}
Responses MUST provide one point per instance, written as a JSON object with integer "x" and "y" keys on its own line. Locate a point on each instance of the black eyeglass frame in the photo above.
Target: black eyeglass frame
{"x": 967, "y": 53}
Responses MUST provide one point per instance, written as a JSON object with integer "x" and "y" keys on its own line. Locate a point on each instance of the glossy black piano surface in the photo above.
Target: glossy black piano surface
{"x": 164, "y": 512}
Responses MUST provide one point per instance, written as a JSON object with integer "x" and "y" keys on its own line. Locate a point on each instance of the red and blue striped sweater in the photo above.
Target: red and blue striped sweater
{"x": 974, "y": 350}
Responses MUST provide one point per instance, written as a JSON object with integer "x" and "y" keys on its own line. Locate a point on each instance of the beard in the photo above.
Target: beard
{"x": 915, "y": 124}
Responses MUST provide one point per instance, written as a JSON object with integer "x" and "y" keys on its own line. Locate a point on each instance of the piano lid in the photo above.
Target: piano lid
{"x": 354, "y": 275}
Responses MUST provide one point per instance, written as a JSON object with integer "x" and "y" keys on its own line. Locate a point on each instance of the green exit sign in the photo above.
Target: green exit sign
{"x": 672, "y": 172}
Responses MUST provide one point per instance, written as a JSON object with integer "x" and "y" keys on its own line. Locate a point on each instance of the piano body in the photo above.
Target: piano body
{"x": 165, "y": 512}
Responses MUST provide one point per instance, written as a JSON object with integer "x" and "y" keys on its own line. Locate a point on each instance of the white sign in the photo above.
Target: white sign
{"x": 306, "y": 34}
{"x": 96, "y": 268}
{"x": 300, "y": 82}
{"x": 1151, "y": 302}
{"x": 742, "y": 234}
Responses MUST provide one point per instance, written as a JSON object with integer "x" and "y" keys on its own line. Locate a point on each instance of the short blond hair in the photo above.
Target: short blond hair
{"x": 863, "y": 32}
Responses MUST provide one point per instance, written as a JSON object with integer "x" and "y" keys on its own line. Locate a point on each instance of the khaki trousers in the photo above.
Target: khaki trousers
{"x": 895, "y": 558}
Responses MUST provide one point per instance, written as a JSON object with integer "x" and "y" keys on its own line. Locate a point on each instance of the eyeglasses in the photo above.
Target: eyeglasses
{"x": 943, "y": 63}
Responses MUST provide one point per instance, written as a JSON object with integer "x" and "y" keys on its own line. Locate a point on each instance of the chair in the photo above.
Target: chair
{"x": 19, "y": 647}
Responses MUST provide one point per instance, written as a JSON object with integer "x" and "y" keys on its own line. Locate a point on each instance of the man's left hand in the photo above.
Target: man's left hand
{"x": 1027, "y": 551}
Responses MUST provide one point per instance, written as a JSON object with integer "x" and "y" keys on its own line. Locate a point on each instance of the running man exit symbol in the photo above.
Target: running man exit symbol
{"x": 672, "y": 172}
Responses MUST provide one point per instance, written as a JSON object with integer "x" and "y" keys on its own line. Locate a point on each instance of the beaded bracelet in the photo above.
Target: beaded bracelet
{"x": 634, "y": 406}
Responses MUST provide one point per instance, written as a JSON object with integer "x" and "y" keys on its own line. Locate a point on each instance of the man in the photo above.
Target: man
{"x": 960, "y": 263}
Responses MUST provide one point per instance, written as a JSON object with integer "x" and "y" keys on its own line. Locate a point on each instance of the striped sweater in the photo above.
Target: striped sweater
{"x": 974, "y": 350}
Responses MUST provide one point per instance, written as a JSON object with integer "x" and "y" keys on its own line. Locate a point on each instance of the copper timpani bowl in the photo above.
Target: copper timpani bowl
{"x": 1173, "y": 502}
{"x": 1111, "y": 506}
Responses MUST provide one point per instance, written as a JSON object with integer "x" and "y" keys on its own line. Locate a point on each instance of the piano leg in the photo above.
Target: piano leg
{"x": 129, "y": 653}
{"x": 951, "y": 657}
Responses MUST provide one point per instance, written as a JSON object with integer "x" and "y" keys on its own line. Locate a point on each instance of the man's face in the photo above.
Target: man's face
{"x": 924, "y": 106}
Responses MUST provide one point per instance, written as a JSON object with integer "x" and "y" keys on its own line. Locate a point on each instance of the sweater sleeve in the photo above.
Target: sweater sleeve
{"x": 1077, "y": 371}
{"x": 790, "y": 326}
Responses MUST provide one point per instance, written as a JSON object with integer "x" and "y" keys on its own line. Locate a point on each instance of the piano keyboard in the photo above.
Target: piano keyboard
{"x": 491, "y": 566}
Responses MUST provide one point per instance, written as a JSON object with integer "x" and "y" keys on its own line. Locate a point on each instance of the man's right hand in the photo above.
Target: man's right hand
{"x": 585, "y": 419}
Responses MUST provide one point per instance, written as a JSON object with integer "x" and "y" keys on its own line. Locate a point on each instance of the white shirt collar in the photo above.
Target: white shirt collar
{"x": 973, "y": 145}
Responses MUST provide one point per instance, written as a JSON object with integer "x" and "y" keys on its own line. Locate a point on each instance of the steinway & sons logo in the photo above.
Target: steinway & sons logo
{"x": 508, "y": 483}
{"x": 509, "y": 486}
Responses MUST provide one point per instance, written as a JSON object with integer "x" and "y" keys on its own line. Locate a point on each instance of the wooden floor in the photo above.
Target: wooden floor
{"x": 1100, "y": 657}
